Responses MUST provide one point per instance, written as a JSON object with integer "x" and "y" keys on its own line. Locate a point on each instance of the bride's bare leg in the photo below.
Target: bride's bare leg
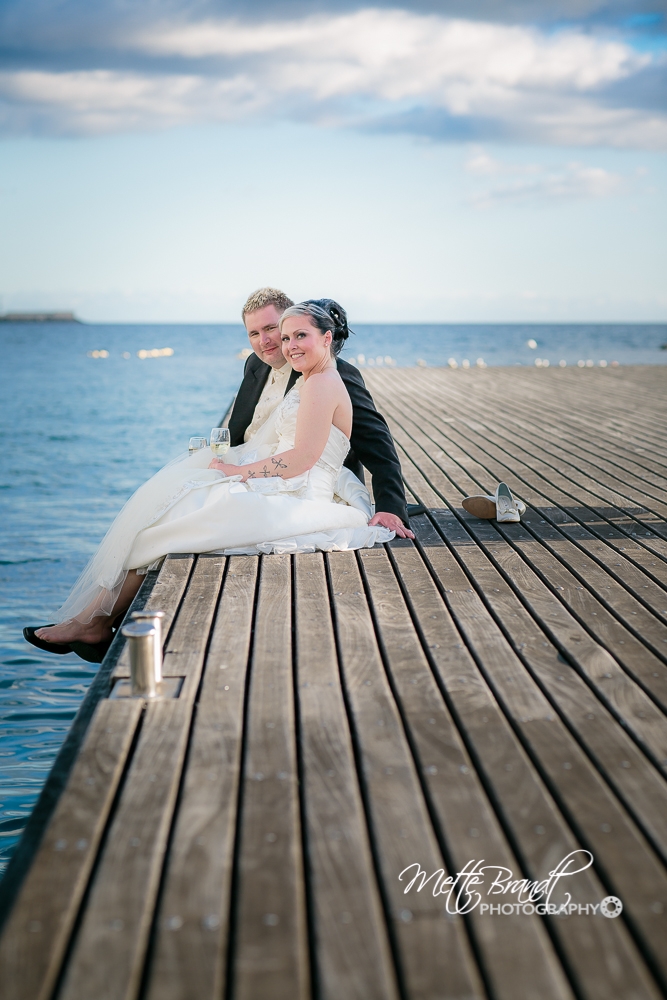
{"x": 98, "y": 628}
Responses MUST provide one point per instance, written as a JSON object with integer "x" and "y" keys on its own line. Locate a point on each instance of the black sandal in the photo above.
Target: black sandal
{"x": 94, "y": 653}
{"x": 91, "y": 653}
{"x": 49, "y": 647}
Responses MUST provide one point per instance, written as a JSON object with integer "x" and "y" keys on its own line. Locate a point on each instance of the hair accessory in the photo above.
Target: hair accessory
{"x": 338, "y": 315}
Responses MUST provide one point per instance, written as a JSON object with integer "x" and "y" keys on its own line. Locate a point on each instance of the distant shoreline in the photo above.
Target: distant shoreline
{"x": 39, "y": 317}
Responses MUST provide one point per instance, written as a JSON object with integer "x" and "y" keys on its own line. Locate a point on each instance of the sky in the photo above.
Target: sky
{"x": 445, "y": 161}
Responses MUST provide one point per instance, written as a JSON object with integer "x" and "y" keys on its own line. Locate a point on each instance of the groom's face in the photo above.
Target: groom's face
{"x": 264, "y": 335}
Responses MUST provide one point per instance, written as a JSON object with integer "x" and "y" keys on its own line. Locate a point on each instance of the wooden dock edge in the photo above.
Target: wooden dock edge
{"x": 28, "y": 845}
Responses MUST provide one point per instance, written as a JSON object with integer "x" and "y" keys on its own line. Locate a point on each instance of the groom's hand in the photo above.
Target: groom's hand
{"x": 393, "y": 522}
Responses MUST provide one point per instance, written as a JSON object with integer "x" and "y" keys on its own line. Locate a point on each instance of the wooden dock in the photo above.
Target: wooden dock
{"x": 492, "y": 694}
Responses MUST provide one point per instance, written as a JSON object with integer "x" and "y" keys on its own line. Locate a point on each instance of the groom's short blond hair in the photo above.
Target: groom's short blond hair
{"x": 266, "y": 297}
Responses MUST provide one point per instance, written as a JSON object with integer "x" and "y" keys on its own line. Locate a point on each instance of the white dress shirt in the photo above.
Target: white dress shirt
{"x": 272, "y": 393}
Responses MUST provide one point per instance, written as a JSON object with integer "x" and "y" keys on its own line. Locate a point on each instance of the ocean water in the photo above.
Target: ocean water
{"x": 78, "y": 434}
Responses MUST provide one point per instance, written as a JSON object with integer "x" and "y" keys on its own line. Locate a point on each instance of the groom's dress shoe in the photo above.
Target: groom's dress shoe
{"x": 92, "y": 653}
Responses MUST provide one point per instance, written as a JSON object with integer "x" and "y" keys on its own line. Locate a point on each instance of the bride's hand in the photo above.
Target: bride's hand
{"x": 227, "y": 470}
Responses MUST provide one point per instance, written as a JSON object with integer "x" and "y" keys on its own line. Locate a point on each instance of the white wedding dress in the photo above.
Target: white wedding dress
{"x": 187, "y": 507}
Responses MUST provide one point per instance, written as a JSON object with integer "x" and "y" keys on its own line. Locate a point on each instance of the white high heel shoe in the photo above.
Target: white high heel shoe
{"x": 507, "y": 509}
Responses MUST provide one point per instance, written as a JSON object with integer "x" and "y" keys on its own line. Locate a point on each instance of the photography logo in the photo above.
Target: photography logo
{"x": 611, "y": 906}
{"x": 496, "y": 892}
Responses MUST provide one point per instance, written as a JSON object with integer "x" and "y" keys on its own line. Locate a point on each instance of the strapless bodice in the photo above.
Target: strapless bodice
{"x": 320, "y": 481}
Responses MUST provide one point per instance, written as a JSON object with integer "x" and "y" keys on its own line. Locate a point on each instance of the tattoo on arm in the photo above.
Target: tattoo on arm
{"x": 266, "y": 472}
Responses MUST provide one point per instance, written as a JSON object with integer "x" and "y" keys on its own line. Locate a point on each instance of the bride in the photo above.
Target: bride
{"x": 276, "y": 494}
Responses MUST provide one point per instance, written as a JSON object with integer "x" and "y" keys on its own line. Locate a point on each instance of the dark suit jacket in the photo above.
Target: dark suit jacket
{"x": 371, "y": 443}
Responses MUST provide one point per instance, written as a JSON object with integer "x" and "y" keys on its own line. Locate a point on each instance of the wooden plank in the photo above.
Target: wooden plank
{"x": 600, "y": 605}
{"x": 109, "y": 949}
{"x": 621, "y": 402}
{"x": 634, "y": 778}
{"x": 477, "y": 422}
{"x": 625, "y": 859}
{"x": 578, "y": 449}
{"x": 599, "y": 954}
{"x": 185, "y": 650}
{"x": 588, "y": 425}
{"x": 631, "y": 520}
{"x": 627, "y": 701}
{"x": 37, "y": 932}
{"x": 26, "y": 849}
{"x": 192, "y": 928}
{"x": 578, "y": 413}
{"x": 629, "y": 650}
{"x": 542, "y": 830}
{"x": 271, "y": 948}
{"x": 433, "y": 953}
{"x": 606, "y": 501}
{"x": 582, "y": 500}
{"x": 643, "y": 906}
{"x": 525, "y": 807}
{"x": 467, "y": 822}
{"x": 351, "y": 945}
{"x": 647, "y": 723}
{"x": 166, "y": 596}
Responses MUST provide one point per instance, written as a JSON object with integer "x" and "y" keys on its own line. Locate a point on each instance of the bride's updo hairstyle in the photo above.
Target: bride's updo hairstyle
{"x": 326, "y": 315}
{"x": 341, "y": 331}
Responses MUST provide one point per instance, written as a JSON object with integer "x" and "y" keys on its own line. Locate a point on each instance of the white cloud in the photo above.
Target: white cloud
{"x": 481, "y": 164}
{"x": 534, "y": 183}
{"x": 358, "y": 69}
{"x": 396, "y": 54}
{"x": 100, "y": 101}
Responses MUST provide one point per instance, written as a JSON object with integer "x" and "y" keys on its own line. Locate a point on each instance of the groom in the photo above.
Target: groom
{"x": 268, "y": 376}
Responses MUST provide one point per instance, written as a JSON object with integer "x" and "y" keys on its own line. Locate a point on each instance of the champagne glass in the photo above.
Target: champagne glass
{"x": 196, "y": 444}
{"x": 220, "y": 441}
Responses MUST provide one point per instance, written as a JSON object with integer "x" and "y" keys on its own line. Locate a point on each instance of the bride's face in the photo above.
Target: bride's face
{"x": 303, "y": 344}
